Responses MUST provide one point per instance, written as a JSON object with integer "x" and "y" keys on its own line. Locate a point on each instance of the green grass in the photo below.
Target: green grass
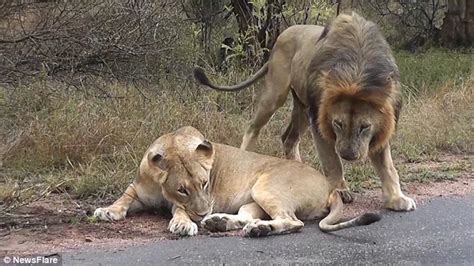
{"x": 427, "y": 174}
{"x": 361, "y": 176}
{"x": 430, "y": 70}
{"x": 58, "y": 139}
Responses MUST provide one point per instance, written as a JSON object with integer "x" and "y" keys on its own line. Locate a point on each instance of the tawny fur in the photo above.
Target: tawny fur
{"x": 226, "y": 188}
{"x": 348, "y": 61}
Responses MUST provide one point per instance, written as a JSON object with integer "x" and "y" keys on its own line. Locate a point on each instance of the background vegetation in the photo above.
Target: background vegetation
{"x": 86, "y": 86}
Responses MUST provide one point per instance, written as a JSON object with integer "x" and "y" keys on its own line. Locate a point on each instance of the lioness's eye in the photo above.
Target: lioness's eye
{"x": 204, "y": 184}
{"x": 183, "y": 191}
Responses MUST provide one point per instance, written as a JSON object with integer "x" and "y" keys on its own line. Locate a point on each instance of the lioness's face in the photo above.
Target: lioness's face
{"x": 184, "y": 160}
{"x": 355, "y": 123}
{"x": 187, "y": 187}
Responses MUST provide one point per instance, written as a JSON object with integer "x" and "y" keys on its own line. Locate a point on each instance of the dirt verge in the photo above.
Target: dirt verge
{"x": 56, "y": 224}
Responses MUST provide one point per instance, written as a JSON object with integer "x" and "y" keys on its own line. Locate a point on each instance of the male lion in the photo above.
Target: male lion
{"x": 194, "y": 178}
{"x": 345, "y": 83}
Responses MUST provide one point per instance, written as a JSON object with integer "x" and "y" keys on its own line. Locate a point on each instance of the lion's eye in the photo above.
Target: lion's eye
{"x": 183, "y": 191}
{"x": 204, "y": 184}
{"x": 337, "y": 124}
{"x": 364, "y": 128}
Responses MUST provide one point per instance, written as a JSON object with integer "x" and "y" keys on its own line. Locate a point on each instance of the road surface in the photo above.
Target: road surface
{"x": 440, "y": 232}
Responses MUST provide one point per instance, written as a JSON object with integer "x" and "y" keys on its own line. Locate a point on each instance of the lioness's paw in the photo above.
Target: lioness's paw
{"x": 257, "y": 229}
{"x": 215, "y": 223}
{"x": 402, "y": 203}
{"x": 108, "y": 214}
{"x": 183, "y": 228}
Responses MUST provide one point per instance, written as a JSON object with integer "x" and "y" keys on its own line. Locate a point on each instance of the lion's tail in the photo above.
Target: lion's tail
{"x": 201, "y": 77}
{"x": 331, "y": 222}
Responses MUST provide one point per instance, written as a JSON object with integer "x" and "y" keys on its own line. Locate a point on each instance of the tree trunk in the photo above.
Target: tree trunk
{"x": 458, "y": 24}
{"x": 469, "y": 22}
{"x": 260, "y": 32}
{"x": 243, "y": 13}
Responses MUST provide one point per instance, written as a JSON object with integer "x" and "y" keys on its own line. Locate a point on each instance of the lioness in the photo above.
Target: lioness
{"x": 195, "y": 178}
{"x": 345, "y": 84}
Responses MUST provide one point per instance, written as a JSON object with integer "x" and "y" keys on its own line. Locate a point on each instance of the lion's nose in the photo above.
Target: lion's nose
{"x": 348, "y": 154}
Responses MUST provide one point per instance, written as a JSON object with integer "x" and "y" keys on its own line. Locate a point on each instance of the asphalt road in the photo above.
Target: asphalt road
{"x": 441, "y": 233}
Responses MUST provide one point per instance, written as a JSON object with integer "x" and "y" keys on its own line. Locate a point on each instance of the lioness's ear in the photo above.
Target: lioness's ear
{"x": 205, "y": 153}
{"x": 205, "y": 147}
{"x": 157, "y": 160}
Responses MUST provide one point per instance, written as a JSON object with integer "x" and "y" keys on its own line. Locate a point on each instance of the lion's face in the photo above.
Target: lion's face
{"x": 185, "y": 161}
{"x": 355, "y": 124}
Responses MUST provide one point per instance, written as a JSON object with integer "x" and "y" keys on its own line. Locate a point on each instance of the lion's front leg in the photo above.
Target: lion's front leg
{"x": 128, "y": 202}
{"x": 394, "y": 198}
{"x": 331, "y": 165}
{"x": 181, "y": 224}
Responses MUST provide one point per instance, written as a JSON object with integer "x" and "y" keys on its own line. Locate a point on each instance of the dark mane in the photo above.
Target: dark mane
{"x": 354, "y": 61}
{"x": 355, "y": 51}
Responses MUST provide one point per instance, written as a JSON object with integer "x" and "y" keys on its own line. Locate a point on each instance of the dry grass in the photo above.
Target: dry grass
{"x": 439, "y": 121}
{"x": 57, "y": 139}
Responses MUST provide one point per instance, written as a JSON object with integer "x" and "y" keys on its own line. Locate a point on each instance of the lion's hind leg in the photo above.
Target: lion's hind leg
{"x": 297, "y": 127}
{"x": 277, "y": 87}
{"x": 221, "y": 222}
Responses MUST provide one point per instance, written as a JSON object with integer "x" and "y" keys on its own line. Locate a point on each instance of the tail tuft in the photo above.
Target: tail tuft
{"x": 367, "y": 218}
{"x": 201, "y": 77}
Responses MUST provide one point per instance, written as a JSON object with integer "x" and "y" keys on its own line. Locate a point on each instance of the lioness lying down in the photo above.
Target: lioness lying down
{"x": 226, "y": 188}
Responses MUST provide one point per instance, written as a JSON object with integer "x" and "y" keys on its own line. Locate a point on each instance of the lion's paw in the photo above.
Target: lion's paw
{"x": 257, "y": 229}
{"x": 215, "y": 223}
{"x": 183, "y": 228}
{"x": 109, "y": 214}
{"x": 402, "y": 203}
